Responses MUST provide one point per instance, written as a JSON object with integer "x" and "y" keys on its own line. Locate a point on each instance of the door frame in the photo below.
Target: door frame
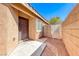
{"x": 27, "y": 26}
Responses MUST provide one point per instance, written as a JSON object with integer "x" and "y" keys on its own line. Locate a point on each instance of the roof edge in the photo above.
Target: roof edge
{"x": 34, "y": 11}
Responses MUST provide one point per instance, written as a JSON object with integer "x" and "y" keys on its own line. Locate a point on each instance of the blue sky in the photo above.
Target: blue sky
{"x": 49, "y": 10}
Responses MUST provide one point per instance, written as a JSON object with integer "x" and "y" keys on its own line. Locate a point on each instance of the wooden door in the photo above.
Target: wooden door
{"x": 23, "y": 28}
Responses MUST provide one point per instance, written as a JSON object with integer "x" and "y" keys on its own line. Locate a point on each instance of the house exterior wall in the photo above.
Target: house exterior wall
{"x": 3, "y": 31}
{"x": 12, "y": 29}
{"x": 71, "y": 32}
{"x": 32, "y": 28}
{"x": 33, "y": 34}
{"x": 9, "y": 32}
{"x": 9, "y": 35}
{"x": 33, "y": 16}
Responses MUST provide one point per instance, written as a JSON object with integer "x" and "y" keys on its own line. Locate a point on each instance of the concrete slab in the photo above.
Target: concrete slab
{"x": 26, "y": 48}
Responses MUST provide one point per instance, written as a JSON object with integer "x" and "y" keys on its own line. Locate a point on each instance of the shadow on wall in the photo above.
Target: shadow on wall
{"x": 40, "y": 34}
{"x": 13, "y": 14}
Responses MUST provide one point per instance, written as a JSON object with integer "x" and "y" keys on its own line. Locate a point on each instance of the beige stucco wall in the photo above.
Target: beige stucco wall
{"x": 3, "y": 30}
{"x": 32, "y": 28}
{"x": 12, "y": 29}
{"x": 9, "y": 29}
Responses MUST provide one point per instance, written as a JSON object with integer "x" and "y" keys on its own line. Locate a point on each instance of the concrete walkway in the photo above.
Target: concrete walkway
{"x": 55, "y": 47}
{"x": 26, "y": 48}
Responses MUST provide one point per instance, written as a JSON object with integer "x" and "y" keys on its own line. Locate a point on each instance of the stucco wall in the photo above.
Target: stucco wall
{"x": 32, "y": 28}
{"x": 12, "y": 29}
{"x": 3, "y": 30}
{"x": 9, "y": 29}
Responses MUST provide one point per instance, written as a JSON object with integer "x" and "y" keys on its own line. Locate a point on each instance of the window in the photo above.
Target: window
{"x": 38, "y": 26}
